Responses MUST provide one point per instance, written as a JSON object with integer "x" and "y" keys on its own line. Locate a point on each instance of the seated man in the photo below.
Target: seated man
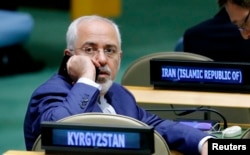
{"x": 15, "y": 29}
{"x": 85, "y": 84}
{"x": 225, "y": 37}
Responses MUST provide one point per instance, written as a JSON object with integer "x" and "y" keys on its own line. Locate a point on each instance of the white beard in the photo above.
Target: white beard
{"x": 106, "y": 83}
{"x": 106, "y": 86}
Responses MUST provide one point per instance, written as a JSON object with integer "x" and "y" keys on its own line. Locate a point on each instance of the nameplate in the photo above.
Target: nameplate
{"x": 91, "y": 139}
{"x": 200, "y": 75}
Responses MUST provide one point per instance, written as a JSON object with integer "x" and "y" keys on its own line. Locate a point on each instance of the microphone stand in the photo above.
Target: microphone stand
{"x": 190, "y": 110}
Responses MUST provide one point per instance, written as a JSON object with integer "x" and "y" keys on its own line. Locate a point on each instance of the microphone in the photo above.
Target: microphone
{"x": 191, "y": 110}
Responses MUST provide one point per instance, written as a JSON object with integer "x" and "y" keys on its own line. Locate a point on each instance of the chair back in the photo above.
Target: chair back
{"x": 161, "y": 146}
{"x": 138, "y": 73}
{"x": 246, "y": 134}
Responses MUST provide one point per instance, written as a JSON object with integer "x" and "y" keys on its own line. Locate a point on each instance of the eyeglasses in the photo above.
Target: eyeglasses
{"x": 92, "y": 51}
{"x": 242, "y": 27}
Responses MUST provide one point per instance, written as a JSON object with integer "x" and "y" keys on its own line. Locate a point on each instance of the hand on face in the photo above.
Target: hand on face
{"x": 96, "y": 46}
{"x": 245, "y": 34}
{"x": 81, "y": 66}
{"x": 240, "y": 16}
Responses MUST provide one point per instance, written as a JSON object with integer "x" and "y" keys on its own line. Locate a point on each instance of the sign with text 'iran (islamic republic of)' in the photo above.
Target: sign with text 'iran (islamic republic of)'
{"x": 200, "y": 75}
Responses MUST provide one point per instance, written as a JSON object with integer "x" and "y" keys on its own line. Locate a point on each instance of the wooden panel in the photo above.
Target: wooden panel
{"x": 108, "y": 8}
{"x": 196, "y": 98}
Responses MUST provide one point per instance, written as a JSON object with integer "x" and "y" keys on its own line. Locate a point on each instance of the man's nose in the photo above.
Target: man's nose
{"x": 245, "y": 34}
{"x": 101, "y": 57}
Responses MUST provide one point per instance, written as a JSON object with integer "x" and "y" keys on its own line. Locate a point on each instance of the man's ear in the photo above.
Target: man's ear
{"x": 68, "y": 52}
{"x": 121, "y": 55}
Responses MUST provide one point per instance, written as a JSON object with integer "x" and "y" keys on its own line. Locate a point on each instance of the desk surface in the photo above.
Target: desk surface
{"x": 185, "y": 97}
{"x": 15, "y": 152}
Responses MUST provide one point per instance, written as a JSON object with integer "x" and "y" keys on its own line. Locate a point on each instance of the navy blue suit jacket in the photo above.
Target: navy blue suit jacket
{"x": 57, "y": 98}
{"x": 218, "y": 39}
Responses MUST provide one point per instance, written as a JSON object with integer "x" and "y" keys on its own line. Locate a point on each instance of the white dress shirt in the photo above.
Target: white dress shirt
{"x": 102, "y": 102}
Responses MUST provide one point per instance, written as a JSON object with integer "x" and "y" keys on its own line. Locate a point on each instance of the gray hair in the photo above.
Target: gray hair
{"x": 71, "y": 35}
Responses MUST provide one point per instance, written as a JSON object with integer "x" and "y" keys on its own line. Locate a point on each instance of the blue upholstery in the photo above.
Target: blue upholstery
{"x": 15, "y": 27}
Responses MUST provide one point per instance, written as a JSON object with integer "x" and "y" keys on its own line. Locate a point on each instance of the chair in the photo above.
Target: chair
{"x": 15, "y": 27}
{"x": 246, "y": 134}
{"x": 138, "y": 74}
{"x": 161, "y": 146}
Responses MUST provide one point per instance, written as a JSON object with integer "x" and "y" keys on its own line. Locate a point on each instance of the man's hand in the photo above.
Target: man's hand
{"x": 81, "y": 66}
{"x": 204, "y": 149}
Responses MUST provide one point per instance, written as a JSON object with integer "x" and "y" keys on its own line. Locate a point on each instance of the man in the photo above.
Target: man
{"x": 226, "y": 37}
{"x": 86, "y": 85}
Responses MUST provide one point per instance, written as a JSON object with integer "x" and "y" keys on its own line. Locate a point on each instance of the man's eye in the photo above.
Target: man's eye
{"x": 89, "y": 49}
{"x": 110, "y": 51}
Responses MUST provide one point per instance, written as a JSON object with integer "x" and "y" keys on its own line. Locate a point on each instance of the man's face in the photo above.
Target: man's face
{"x": 245, "y": 27}
{"x": 240, "y": 17}
{"x": 98, "y": 40}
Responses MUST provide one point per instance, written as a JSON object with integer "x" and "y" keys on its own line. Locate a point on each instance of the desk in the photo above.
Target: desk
{"x": 184, "y": 97}
{"x": 14, "y": 152}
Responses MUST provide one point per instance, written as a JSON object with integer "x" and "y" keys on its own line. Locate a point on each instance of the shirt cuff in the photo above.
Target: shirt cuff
{"x": 203, "y": 140}
{"x": 89, "y": 82}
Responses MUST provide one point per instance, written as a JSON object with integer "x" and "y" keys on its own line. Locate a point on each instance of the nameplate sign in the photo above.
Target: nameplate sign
{"x": 200, "y": 75}
{"x": 92, "y": 139}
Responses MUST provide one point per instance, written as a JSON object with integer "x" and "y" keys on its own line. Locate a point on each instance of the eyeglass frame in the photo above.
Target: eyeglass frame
{"x": 96, "y": 50}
